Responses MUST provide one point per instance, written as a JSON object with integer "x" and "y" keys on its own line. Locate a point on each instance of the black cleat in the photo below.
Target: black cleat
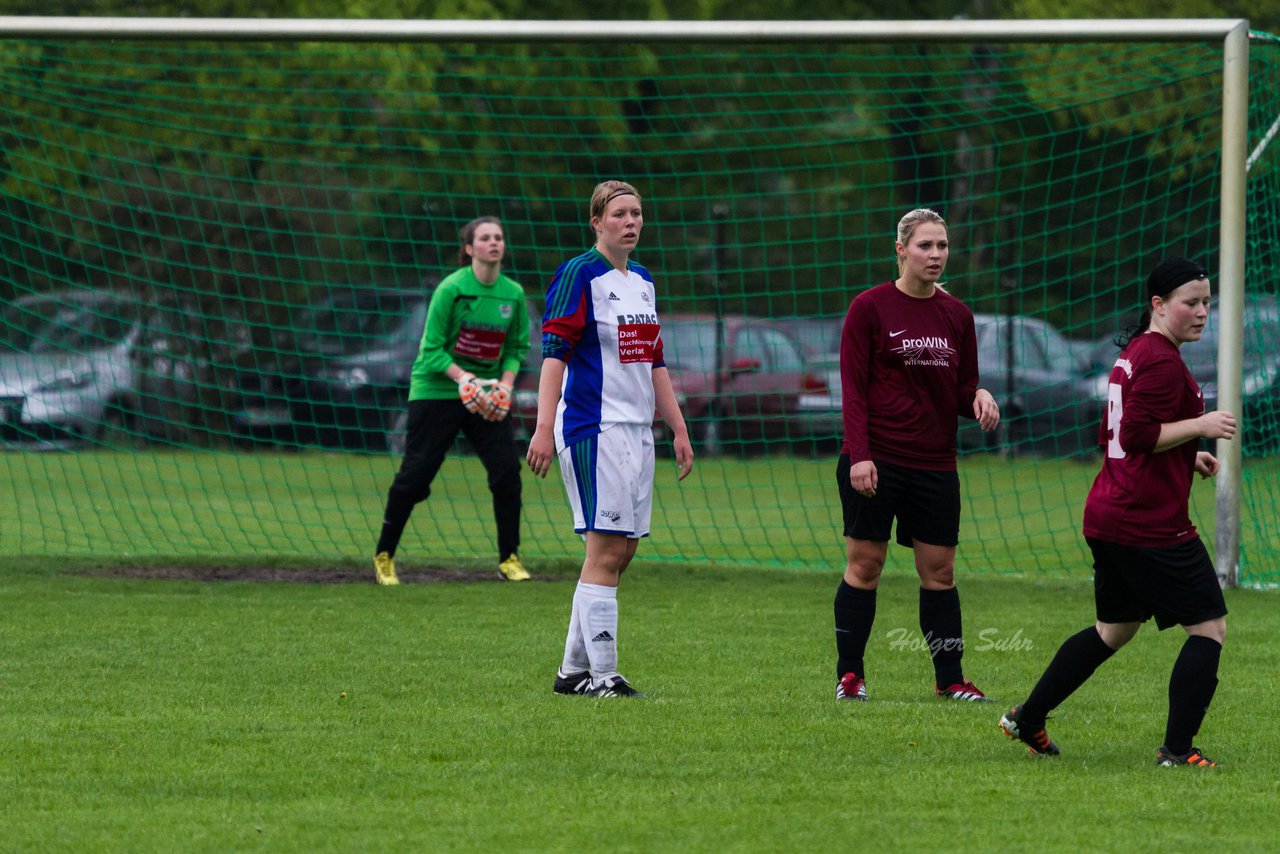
{"x": 572, "y": 684}
{"x": 615, "y": 686}
{"x": 1192, "y": 757}
{"x": 1037, "y": 742}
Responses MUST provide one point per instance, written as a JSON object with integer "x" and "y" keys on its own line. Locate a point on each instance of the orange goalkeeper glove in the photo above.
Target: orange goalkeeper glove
{"x": 471, "y": 392}
{"x": 498, "y": 404}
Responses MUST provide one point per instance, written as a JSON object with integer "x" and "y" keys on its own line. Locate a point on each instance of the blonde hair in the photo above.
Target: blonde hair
{"x": 911, "y": 221}
{"x": 607, "y": 191}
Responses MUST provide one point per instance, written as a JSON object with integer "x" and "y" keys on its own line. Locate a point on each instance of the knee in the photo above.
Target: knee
{"x": 1212, "y": 629}
{"x": 413, "y": 490}
{"x": 1116, "y": 635}
{"x": 616, "y": 561}
{"x": 938, "y": 578}
{"x": 863, "y": 572}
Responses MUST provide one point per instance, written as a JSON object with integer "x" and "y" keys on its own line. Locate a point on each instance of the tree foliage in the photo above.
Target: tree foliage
{"x": 268, "y": 168}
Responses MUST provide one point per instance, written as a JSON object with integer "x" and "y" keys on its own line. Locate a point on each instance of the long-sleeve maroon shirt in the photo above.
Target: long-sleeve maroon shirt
{"x": 908, "y": 370}
{"x": 1140, "y": 496}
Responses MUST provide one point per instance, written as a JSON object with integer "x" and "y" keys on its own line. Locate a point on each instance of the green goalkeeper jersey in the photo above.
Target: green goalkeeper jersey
{"x": 482, "y": 328}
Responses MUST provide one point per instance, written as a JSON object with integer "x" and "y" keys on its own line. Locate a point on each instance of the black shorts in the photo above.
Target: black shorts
{"x": 1177, "y": 585}
{"x": 925, "y": 503}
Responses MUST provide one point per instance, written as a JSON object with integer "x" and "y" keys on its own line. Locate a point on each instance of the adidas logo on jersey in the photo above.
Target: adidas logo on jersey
{"x": 603, "y": 637}
{"x": 613, "y": 296}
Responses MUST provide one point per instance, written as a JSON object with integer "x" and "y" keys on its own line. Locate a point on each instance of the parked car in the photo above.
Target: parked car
{"x": 817, "y": 334}
{"x": 754, "y": 390}
{"x": 1260, "y": 381}
{"x": 1260, "y": 388}
{"x": 753, "y": 396}
{"x": 180, "y": 360}
{"x": 339, "y": 376}
{"x": 73, "y": 381}
{"x": 819, "y": 339}
{"x": 22, "y": 320}
{"x": 1050, "y": 402}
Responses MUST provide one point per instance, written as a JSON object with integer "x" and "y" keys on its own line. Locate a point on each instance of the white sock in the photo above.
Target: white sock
{"x": 597, "y": 611}
{"x": 575, "y": 649}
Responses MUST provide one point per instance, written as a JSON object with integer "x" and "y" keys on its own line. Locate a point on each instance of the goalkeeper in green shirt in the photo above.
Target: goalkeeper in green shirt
{"x": 476, "y": 337}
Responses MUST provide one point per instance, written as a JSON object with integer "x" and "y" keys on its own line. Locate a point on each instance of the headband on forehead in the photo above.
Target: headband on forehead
{"x": 1171, "y": 274}
{"x": 616, "y": 193}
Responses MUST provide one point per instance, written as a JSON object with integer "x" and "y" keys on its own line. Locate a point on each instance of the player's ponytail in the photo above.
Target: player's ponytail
{"x": 1169, "y": 275}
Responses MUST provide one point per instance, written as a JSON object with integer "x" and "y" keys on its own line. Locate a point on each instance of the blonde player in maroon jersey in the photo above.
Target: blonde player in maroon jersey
{"x": 1148, "y": 560}
{"x": 909, "y": 368}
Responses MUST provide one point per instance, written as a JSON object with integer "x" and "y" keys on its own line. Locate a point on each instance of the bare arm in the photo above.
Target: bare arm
{"x": 1211, "y": 425}
{"x": 669, "y": 410}
{"x": 986, "y": 410}
{"x": 542, "y": 446}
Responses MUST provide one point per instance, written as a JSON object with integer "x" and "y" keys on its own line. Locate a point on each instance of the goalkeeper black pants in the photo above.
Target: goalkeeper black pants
{"x": 434, "y": 426}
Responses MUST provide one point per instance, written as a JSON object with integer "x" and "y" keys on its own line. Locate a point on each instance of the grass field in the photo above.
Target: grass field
{"x": 1020, "y": 516}
{"x": 148, "y": 715}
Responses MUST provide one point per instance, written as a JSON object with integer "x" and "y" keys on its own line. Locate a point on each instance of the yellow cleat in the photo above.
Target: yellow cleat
{"x": 513, "y": 570}
{"x": 384, "y": 566}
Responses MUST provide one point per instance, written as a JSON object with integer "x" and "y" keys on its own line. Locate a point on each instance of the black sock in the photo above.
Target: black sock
{"x": 394, "y": 520}
{"x": 1076, "y": 660}
{"x": 506, "y": 512}
{"x": 940, "y": 625}
{"x": 855, "y": 612}
{"x": 1191, "y": 687}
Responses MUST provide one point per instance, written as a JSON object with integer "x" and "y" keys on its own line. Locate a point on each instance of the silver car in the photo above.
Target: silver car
{"x": 72, "y": 377}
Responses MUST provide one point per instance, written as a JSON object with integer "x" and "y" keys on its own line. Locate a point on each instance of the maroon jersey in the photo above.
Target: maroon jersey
{"x": 1140, "y": 496}
{"x": 908, "y": 370}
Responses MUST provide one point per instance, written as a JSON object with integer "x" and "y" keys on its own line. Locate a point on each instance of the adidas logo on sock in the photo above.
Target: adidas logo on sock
{"x": 613, "y": 296}
{"x": 603, "y": 637}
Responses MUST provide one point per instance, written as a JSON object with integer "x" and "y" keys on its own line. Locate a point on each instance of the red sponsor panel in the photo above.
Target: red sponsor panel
{"x": 482, "y": 345}
{"x": 636, "y": 341}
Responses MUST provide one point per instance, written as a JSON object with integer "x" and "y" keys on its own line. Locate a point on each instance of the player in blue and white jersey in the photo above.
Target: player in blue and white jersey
{"x": 603, "y": 377}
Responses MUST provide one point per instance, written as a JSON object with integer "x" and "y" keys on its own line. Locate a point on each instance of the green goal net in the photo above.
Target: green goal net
{"x": 215, "y": 261}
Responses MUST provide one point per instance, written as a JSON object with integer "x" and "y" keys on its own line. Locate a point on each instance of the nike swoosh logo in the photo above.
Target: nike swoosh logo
{"x": 896, "y": 334}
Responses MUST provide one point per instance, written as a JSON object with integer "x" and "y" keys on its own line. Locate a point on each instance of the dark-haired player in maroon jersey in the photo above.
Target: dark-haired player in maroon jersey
{"x": 1148, "y": 559}
{"x": 909, "y": 368}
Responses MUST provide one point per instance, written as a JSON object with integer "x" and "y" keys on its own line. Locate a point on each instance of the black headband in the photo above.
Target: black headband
{"x": 615, "y": 195}
{"x": 1171, "y": 274}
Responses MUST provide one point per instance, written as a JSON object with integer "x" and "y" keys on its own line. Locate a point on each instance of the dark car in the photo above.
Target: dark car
{"x": 1260, "y": 389}
{"x": 1050, "y": 402}
{"x": 180, "y": 360}
{"x": 340, "y": 373}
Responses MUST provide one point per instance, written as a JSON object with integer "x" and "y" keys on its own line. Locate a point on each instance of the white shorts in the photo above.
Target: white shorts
{"x": 609, "y": 478}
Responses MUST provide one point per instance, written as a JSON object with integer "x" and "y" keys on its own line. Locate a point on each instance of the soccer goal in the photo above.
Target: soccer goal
{"x": 218, "y": 239}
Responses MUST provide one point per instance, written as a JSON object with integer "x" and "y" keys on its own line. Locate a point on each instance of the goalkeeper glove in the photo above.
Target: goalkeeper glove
{"x": 472, "y": 394}
{"x": 499, "y": 403}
